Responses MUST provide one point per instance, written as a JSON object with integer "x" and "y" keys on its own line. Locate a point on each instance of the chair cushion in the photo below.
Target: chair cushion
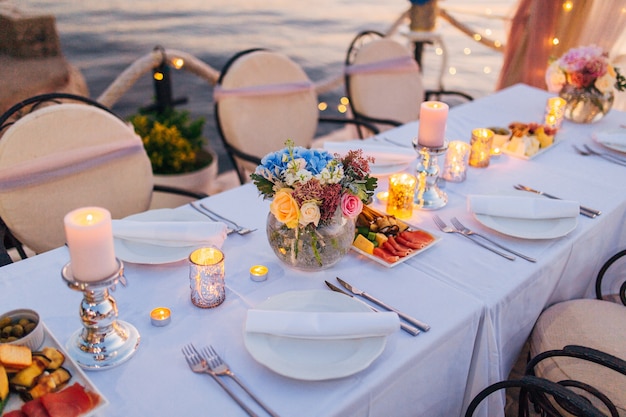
{"x": 593, "y": 323}
{"x": 34, "y": 213}
{"x": 386, "y": 95}
{"x": 261, "y": 124}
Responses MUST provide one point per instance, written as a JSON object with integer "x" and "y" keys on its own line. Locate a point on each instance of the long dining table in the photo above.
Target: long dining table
{"x": 481, "y": 307}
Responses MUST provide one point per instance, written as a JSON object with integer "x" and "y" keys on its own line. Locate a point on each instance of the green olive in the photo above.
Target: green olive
{"x": 18, "y": 331}
{"x": 6, "y": 331}
{"x": 5, "y": 321}
{"x": 29, "y": 327}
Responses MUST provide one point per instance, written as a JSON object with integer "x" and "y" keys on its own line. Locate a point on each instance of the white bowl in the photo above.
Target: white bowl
{"x": 32, "y": 340}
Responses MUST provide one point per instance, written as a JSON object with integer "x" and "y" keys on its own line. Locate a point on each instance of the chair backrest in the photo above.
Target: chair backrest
{"x": 63, "y": 156}
{"x": 262, "y": 99}
{"x": 577, "y": 405}
{"x": 383, "y": 80}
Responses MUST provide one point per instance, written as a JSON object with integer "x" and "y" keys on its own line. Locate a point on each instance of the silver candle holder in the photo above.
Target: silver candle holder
{"x": 428, "y": 195}
{"x": 104, "y": 341}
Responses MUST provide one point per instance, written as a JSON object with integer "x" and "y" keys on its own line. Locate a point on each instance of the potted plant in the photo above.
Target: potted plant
{"x": 176, "y": 148}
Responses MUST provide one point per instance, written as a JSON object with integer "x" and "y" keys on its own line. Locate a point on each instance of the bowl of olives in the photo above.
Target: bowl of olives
{"x": 22, "y": 327}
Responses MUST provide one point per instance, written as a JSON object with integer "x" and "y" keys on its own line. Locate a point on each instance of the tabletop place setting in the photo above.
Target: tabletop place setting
{"x": 313, "y": 285}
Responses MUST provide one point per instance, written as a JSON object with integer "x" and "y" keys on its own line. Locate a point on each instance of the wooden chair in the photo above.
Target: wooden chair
{"x": 384, "y": 83}
{"x": 262, "y": 99}
{"x": 59, "y": 152}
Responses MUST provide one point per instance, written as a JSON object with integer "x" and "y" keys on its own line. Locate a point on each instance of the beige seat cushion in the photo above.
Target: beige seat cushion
{"x": 261, "y": 124}
{"x": 386, "y": 95}
{"x": 593, "y": 323}
{"x": 35, "y": 213}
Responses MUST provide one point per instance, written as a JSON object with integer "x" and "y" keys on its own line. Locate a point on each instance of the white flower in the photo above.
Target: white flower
{"x": 328, "y": 176}
{"x": 605, "y": 83}
{"x": 301, "y": 176}
{"x": 309, "y": 213}
{"x": 555, "y": 77}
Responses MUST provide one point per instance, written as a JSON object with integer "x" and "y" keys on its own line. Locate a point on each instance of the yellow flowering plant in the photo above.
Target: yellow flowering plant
{"x": 173, "y": 141}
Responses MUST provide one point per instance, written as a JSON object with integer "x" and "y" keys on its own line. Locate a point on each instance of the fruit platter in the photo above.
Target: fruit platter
{"x": 387, "y": 240}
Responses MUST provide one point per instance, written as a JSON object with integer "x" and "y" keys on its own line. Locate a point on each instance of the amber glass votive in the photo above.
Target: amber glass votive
{"x": 206, "y": 277}
{"x": 481, "y": 147}
{"x": 455, "y": 165}
{"x": 400, "y": 198}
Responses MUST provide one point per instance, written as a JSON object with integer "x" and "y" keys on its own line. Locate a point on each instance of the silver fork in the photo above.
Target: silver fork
{"x": 201, "y": 366}
{"x": 607, "y": 157}
{"x": 447, "y": 229}
{"x": 229, "y": 230}
{"x": 239, "y": 229}
{"x": 219, "y": 367}
{"x": 456, "y": 223}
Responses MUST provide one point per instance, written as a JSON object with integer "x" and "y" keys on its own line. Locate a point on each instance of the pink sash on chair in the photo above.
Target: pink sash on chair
{"x": 62, "y": 164}
{"x": 399, "y": 64}
{"x": 262, "y": 90}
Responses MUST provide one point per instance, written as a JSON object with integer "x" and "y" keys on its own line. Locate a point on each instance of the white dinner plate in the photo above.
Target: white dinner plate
{"x": 313, "y": 359}
{"x": 614, "y": 139}
{"x": 529, "y": 228}
{"x": 78, "y": 375}
{"x": 145, "y": 253}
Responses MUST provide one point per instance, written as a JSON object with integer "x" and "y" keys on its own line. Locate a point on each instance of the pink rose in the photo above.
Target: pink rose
{"x": 351, "y": 205}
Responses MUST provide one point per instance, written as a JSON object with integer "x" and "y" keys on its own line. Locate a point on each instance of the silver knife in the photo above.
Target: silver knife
{"x": 420, "y": 324}
{"x": 585, "y": 211}
{"x": 406, "y": 327}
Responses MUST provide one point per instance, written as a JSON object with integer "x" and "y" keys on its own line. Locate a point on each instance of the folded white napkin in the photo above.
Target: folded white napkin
{"x": 522, "y": 207}
{"x": 171, "y": 233}
{"x": 322, "y": 325}
{"x": 383, "y": 154}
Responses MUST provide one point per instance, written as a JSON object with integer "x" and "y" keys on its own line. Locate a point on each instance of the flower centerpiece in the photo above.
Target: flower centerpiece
{"x": 316, "y": 197}
{"x": 586, "y": 80}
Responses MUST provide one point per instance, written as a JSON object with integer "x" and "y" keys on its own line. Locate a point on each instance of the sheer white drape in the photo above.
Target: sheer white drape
{"x": 536, "y": 22}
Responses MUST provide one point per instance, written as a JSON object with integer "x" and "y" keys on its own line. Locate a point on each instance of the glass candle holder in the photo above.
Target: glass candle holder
{"x": 400, "y": 197}
{"x": 481, "y": 147}
{"x": 555, "y": 108}
{"x": 455, "y": 164}
{"x": 206, "y": 277}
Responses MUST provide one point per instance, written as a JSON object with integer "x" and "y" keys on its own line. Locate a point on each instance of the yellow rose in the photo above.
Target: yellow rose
{"x": 309, "y": 213}
{"x": 285, "y": 208}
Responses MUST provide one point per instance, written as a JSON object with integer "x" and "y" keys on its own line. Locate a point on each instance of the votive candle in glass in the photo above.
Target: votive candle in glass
{"x": 554, "y": 112}
{"x": 206, "y": 277}
{"x": 400, "y": 198}
{"x": 481, "y": 147}
{"x": 455, "y": 165}
{"x": 89, "y": 236}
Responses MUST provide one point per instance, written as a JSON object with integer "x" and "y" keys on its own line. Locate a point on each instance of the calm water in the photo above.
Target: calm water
{"x": 102, "y": 38}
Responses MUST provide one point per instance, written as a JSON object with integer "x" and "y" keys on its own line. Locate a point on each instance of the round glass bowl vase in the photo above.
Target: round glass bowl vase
{"x": 585, "y": 105}
{"x": 311, "y": 248}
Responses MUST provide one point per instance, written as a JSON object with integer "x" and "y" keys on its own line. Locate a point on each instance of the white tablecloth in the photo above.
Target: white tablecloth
{"x": 481, "y": 307}
{"x": 515, "y": 293}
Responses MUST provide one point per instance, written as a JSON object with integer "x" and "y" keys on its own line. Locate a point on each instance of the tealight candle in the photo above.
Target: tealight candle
{"x": 554, "y": 112}
{"x": 89, "y": 236}
{"x": 432, "y": 124}
{"x": 258, "y": 273}
{"x": 160, "y": 316}
{"x": 455, "y": 165}
{"x": 481, "y": 147}
{"x": 382, "y": 195}
{"x": 401, "y": 191}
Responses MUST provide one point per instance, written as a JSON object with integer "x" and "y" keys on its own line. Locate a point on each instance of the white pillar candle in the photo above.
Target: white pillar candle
{"x": 432, "y": 126}
{"x": 90, "y": 241}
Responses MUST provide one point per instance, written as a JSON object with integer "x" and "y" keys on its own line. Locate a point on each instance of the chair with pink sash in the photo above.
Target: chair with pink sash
{"x": 384, "y": 82}
{"x": 67, "y": 152}
{"x": 262, "y": 99}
